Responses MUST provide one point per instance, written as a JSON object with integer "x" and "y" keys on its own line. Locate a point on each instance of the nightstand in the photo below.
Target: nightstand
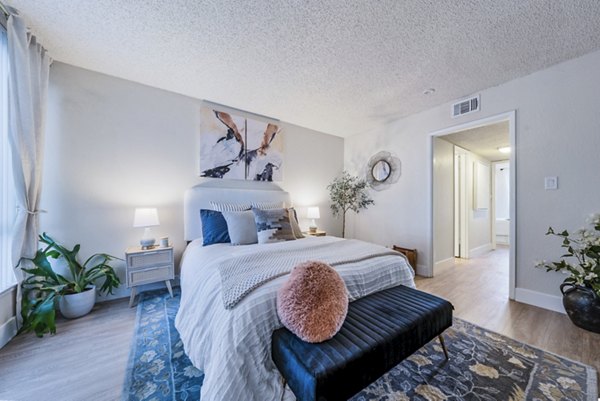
{"x": 145, "y": 266}
{"x": 318, "y": 233}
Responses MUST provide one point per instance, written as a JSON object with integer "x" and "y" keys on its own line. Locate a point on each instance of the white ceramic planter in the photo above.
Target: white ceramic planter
{"x": 76, "y": 305}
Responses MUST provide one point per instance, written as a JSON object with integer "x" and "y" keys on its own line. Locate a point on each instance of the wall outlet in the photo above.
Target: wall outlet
{"x": 550, "y": 183}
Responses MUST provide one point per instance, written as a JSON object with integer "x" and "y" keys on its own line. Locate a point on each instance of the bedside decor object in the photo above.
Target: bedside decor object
{"x": 164, "y": 242}
{"x": 383, "y": 169}
{"x": 581, "y": 290}
{"x": 75, "y": 293}
{"x": 348, "y": 192}
{"x": 313, "y": 213}
{"x": 146, "y": 218}
{"x": 149, "y": 266}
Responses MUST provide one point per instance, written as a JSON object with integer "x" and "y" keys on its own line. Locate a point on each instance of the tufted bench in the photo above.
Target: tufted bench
{"x": 380, "y": 331}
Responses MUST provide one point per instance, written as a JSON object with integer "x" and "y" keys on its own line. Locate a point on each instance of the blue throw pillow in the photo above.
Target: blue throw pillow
{"x": 214, "y": 227}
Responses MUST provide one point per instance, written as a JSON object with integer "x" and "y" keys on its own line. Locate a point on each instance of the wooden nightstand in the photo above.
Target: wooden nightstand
{"x": 318, "y": 233}
{"x": 145, "y": 266}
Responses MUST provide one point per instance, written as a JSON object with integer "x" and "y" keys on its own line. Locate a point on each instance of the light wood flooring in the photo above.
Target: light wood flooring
{"x": 87, "y": 358}
{"x": 478, "y": 289}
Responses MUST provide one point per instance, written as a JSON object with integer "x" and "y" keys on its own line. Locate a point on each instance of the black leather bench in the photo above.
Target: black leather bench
{"x": 380, "y": 331}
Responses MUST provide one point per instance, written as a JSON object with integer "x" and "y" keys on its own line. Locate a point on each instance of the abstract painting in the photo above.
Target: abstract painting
{"x": 239, "y": 148}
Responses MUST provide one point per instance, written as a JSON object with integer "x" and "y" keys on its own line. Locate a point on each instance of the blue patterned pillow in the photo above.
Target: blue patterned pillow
{"x": 214, "y": 227}
{"x": 273, "y": 225}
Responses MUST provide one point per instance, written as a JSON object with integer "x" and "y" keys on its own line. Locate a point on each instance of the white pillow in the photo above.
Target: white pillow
{"x": 241, "y": 227}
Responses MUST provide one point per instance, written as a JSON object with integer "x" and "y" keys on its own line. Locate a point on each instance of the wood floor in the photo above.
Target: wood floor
{"x": 478, "y": 289}
{"x": 87, "y": 359}
{"x": 84, "y": 361}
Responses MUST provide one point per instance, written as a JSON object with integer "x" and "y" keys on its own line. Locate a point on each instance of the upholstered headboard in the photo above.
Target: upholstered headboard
{"x": 200, "y": 196}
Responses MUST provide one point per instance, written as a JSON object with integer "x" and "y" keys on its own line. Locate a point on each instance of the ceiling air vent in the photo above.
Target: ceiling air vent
{"x": 465, "y": 106}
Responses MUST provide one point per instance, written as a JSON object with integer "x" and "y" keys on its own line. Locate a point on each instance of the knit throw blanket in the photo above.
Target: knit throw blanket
{"x": 242, "y": 274}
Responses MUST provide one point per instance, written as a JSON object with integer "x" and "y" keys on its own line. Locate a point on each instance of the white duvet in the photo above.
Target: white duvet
{"x": 233, "y": 347}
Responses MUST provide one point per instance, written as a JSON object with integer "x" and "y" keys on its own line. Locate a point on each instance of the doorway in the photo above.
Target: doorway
{"x": 473, "y": 194}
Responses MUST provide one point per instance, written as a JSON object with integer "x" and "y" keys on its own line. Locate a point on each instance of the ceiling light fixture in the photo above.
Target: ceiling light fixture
{"x": 504, "y": 149}
{"x": 429, "y": 91}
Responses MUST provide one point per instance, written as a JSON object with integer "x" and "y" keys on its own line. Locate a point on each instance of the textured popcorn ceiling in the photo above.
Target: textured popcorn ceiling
{"x": 483, "y": 141}
{"x": 337, "y": 66}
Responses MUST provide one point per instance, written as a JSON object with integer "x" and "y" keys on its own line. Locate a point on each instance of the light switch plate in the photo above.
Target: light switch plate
{"x": 550, "y": 183}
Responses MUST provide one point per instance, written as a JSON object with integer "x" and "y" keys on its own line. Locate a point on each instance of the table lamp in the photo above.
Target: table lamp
{"x": 146, "y": 217}
{"x": 313, "y": 213}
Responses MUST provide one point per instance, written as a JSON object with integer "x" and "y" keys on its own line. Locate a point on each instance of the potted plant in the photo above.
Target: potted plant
{"x": 43, "y": 289}
{"x": 348, "y": 192}
{"x": 581, "y": 290}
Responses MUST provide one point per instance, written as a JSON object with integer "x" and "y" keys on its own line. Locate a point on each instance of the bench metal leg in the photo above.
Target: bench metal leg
{"x": 443, "y": 346}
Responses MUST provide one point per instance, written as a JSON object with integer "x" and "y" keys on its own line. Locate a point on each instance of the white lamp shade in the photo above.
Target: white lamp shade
{"x": 145, "y": 217}
{"x": 313, "y": 212}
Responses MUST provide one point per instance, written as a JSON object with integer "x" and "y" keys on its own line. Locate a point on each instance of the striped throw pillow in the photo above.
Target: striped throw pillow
{"x": 230, "y": 207}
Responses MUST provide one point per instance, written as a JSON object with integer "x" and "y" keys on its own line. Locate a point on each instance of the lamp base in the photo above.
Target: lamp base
{"x": 312, "y": 229}
{"x": 147, "y": 243}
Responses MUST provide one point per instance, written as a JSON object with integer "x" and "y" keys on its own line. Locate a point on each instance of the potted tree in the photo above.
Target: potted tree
{"x": 75, "y": 295}
{"x": 348, "y": 192}
{"x": 581, "y": 289}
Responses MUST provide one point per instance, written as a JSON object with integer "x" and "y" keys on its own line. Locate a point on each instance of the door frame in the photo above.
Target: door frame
{"x": 510, "y": 117}
{"x": 461, "y": 206}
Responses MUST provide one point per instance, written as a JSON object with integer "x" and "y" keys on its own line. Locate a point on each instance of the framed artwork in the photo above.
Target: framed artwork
{"x": 239, "y": 148}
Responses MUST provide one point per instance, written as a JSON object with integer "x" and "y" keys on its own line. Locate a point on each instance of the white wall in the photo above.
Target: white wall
{"x": 479, "y": 219}
{"x": 557, "y": 133}
{"x": 443, "y": 201}
{"x": 502, "y": 190}
{"x": 113, "y": 145}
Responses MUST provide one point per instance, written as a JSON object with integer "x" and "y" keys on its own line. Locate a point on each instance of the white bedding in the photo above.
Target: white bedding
{"x": 233, "y": 347}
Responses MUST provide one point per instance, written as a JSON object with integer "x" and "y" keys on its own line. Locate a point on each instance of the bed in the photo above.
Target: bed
{"x": 232, "y": 346}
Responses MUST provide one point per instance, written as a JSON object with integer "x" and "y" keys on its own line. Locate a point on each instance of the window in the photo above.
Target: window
{"x": 7, "y": 190}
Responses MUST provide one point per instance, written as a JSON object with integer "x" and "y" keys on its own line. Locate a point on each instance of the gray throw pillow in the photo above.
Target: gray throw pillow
{"x": 241, "y": 227}
{"x": 273, "y": 225}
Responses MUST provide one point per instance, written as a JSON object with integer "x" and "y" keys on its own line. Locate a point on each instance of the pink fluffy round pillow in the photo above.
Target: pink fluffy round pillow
{"x": 313, "y": 302}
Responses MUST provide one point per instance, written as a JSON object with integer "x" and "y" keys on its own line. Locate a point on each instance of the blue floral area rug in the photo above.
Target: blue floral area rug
{"x": 483, "y": 366}
{"x": 158, "y": 367}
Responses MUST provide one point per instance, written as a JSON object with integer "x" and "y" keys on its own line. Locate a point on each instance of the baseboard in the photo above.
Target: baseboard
{"x": 539, "y": 299}
{"x": 7, "y": 331}
{"x": 444, "y": 263}
{"x": 480, "y": 250}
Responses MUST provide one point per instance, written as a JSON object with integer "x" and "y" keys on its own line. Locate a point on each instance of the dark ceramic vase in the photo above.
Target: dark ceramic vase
{"x": 582, "y": 305}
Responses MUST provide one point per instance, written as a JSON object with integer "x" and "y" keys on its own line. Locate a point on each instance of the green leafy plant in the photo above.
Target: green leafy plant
{"x": 43, "y": 287}
{"x": 348, "y": 192}
{"x": 582, "y": 257}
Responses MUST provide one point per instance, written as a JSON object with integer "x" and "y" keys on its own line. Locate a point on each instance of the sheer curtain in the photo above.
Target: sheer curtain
{"x": 29, "y": 67}
{"x": 7, "y": 188}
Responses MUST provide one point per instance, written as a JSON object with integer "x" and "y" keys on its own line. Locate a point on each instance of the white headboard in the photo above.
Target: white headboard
{"x": 200, "y": 196}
